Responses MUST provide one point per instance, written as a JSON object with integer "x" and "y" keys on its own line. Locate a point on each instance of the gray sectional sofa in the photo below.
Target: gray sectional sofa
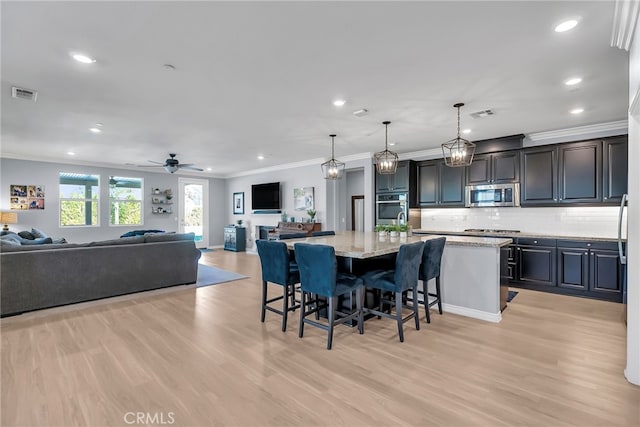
{"x": 41, "y": 276}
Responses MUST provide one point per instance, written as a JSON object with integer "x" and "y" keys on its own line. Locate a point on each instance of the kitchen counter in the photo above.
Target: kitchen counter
{"x": 513, "y": 235}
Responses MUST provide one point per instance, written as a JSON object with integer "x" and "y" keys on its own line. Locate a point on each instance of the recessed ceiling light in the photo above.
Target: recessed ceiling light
{"x": 339, "y": 102}
{"x": 576, "y": 110}
{"x": 95, "y": 130}
{"x": 83, "y": 58}
{"x": 466, "y": 131}
{"x": 566, "y": 26}
{"x": 573, "y": 81}
{"x": 209, "y": 169}
{"x": 260, "y": 157}
{"x": 71, "y": 153}
{"x": 99, "y": 125}
{"x": 392, "y": 143}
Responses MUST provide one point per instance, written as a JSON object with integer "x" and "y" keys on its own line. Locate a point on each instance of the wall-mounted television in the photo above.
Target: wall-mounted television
{"x": 265, "y": 196}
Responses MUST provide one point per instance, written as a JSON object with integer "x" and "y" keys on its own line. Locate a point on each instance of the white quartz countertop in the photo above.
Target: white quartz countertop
{"x": 358, "y": 244}
{"x": 520, "y": 234}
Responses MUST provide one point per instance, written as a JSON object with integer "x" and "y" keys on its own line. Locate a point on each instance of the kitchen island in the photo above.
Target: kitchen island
{"x": 471, "y": 267}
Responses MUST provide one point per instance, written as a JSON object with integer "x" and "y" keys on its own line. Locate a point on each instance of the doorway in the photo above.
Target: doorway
{"x": 193, "y": 214}
{"x": 357, "y": 213}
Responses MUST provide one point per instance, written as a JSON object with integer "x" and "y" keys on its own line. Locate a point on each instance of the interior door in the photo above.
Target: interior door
{"x": 194, "y": 209}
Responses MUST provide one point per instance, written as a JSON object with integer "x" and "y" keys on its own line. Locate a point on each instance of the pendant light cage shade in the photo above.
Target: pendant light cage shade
{"x": 332, "y": 169}
{"x": 458, "y": 152}
{"x": 386, "y": 161}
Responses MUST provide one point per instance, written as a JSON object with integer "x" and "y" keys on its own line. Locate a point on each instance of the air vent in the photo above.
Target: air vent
{"x": 361, "y": 112}
{"x": 481, "y": 114}
{"x": 22, "y": 93}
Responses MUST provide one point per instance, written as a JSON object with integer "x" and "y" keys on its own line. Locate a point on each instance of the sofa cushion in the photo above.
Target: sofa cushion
{"x": 120, "y": 241}
{"x": 42, "y": 241}
{"x": 58, "y": 240}
{"x": 27, "y": 248}
{"x": 37, "y": 233}
{"x": 168, "y": 237}
{"x": 26, "y": 235}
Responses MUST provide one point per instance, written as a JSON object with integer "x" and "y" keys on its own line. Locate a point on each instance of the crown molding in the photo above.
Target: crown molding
{"x": 600, "y": 129}
{"x": 625, "y": 18}
{"x": 14, "y": 156}
{"x": 431, "y": 153}
{"x": 303, "y": 163}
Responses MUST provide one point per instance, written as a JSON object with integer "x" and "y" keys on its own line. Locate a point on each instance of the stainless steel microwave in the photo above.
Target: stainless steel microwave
{"x": 492, "y": 195}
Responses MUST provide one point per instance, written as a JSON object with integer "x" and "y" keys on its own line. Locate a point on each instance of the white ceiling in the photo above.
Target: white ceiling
{"x": 260, "y": 78}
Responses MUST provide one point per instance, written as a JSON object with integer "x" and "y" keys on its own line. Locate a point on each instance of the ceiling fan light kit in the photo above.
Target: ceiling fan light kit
{"x": 386, "y": 161}
{"x": 458, "y": 152}
{"x": 332, "y": 169}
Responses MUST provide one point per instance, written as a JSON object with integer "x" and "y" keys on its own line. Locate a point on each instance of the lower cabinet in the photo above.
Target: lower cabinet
{"x": 591, "y": 267}
{"x": 536, "y": 261}
{"x": 235, "y": 239}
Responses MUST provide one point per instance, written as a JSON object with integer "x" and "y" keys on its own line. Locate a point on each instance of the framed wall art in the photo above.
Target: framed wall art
{"x": 303, "y": 198}
{"x": 238, "y": 203}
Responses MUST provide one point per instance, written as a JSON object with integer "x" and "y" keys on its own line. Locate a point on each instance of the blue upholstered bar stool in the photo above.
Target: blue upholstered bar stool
{"x": 323, "y": 233}
{"x": 397, "y": 281}
{"x": 286, "y": 236}
{"x": 319, "y": 276}
{"x": 277, "y": 268}
{"x": 430, "y": 269}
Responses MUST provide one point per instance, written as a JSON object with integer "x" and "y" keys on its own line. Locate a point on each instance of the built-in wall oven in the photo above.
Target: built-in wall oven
{"x": 390, "y": 205}
{"x": 492, "y": 195}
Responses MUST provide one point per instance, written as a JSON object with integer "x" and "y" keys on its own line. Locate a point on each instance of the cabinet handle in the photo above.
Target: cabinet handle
{"x": 586, "y": 253}
{"x": 605, "y": 198}
{"x": 535, "y": 241}
{"x": 592, "y": 254}
{"x": 588, "y": 244}
{"x": 555, "y": 200}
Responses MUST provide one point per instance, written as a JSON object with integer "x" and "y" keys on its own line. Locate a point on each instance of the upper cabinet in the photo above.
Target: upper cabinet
{"x": 538, "y": 168}
{"x": 440, "y": 185}
{"x": 405, "y": 180}
{"x": 614, "y": 165}
{"x": 580, "y": 172}
{"x": 574, "y": 173}
{"x": 494, "y": 168}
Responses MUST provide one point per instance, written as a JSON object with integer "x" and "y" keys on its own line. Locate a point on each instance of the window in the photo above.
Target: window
{"x": 79, "y": 199}
{"x": 125, "y": 200}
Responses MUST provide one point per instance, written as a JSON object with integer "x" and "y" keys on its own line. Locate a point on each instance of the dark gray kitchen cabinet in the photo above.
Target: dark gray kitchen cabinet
{"x": 428, "y": 184}
{"x": 397, "y": 182}
{"x": 591, "y": 267}
{"x": 494, "y": 168}
{"x": 451, "y": 185}
{"x": 440, "y": 185}
{"x": 536, "y": 263}
{"x": 615, "y": 164}
{"x": 580, "y": 172}
{"x": 538, "y": 168}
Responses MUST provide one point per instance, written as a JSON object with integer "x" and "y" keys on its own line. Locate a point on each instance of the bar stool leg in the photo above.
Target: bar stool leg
{"x": 438, "y": 294}
{"x": 425, "y": 287}
{"x": 332, "y": 314}
{"x": 264, "y": 299}
{"x": 285, "y": 308}
{"x": 303, "y": 296}
{"x": 399, "y": 315}
{"x": 416, "y": 305}
{"x": 359, "y": 305}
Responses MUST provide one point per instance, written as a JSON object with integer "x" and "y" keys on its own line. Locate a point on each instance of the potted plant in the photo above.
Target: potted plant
{"x": 404, "y": 230}
{"x": 394, "y": 230}
{"x": 239, "y": 223}
{"x": 312, "y": 215}
{"x": 381, "y": 230}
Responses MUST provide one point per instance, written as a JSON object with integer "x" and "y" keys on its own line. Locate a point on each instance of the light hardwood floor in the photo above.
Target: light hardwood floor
{"x": 201, "y": 357}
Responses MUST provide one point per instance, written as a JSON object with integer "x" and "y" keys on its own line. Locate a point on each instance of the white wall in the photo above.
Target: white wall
{"x": 632, "y": 371}
{"x": 565, "y": 221}
{"x": 44, "y": 173}
{"x": 305, "y": 176}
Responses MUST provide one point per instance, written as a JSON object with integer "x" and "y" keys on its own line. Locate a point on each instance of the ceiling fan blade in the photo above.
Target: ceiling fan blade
{"x": 158, "y": 163}
{"x": 188, "y": 166}
{"x": 182, "y": 165}
{"x": 149, "y": 166}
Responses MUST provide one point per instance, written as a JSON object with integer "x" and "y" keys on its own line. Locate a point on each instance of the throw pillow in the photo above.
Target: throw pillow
{"x": 38, "y": 234}
{"x": 58, "y": 240}
{"x": 9, "y": 242}
{"x": 13, "y": 237}
{"x": 26, "y": 235}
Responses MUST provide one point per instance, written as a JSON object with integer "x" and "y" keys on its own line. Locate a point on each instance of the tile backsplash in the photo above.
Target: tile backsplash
{"x": 561, "y": 221}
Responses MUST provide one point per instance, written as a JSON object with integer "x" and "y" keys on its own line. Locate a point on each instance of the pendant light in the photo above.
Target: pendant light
{"x": 386, "y": 161}
{"x": 332, "y": 169}
{"x": 458, "y": 151}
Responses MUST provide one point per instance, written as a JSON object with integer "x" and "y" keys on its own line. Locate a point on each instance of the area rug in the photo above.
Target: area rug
{"x": 206, "y": 250}
{"x": 208, "y": 275}
{"x": 512, "y": 295}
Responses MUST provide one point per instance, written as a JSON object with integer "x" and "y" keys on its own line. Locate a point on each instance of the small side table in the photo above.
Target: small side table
{"x": 235, "y": 239}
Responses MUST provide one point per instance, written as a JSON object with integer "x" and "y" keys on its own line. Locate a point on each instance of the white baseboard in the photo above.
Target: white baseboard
{"x": 471, "y": 312}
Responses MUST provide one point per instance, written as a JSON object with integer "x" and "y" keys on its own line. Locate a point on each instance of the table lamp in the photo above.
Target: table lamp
{"x": 7, "y": 218}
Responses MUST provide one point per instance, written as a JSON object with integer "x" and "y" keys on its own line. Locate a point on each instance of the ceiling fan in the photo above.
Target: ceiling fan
{"x": 171, "y": 165}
